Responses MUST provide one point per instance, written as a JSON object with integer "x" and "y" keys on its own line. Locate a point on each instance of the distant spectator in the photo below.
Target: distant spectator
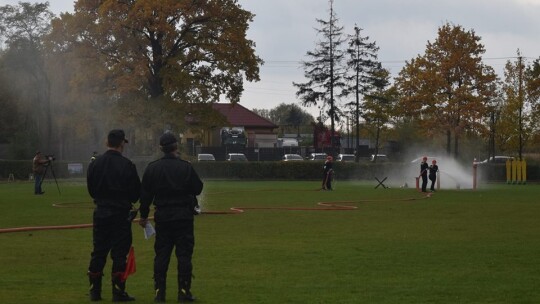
{"x": 327, "y": 173}
{"x": 424, "y": 167}
{"x": 433, "y": 169}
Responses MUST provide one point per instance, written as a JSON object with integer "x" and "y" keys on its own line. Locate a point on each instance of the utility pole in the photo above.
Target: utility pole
{"x": 520, "y": 98}
{"x": 332, "y": 109}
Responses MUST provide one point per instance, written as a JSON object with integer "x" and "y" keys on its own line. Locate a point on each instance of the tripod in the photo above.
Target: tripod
{"x": 49, "y": 165}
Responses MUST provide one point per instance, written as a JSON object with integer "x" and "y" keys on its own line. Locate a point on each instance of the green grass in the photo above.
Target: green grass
{"x": 459, "y": 246}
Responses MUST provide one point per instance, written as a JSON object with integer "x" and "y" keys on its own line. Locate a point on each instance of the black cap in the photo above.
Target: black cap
{"x": 117, "y": 135}
{"x": 167, "y": 139}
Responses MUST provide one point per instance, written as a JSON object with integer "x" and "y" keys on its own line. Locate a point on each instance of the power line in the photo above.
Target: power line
{"x": 391, "y": 64}
{"x": 297, "y": 62}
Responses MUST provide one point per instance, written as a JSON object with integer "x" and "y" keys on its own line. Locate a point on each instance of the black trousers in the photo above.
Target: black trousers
{"x": 327, "y": 180}
{"x": 433, "y": 179}
{"x": 111, "y": 233}
{"x": 176, "y": 234}
{"x": 424, "y": 183}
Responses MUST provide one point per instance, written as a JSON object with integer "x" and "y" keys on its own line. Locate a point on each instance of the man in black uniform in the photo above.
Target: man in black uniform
{"x": 171, "y": 184}
{"x": 424, "y": 167}
{"x": 327, "y": 173}
{"x": 114, "y": 185}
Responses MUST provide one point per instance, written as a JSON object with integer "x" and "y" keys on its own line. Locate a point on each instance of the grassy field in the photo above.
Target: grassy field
{"x": 458, "y": 246}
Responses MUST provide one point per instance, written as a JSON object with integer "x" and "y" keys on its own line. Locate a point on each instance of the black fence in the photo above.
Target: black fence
{"x": 21, "y": 170}
{"x": 271, "y": 154}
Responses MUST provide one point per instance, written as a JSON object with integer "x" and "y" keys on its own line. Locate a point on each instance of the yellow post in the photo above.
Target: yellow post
{"x": 508, "y": 171}
{"x": 518, "y": 171}
{"x": 524, "y": 171}
{"x": 514, "y": 171}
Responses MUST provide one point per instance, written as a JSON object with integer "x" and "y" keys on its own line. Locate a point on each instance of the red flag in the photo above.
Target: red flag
{"x": 130, "y": 264}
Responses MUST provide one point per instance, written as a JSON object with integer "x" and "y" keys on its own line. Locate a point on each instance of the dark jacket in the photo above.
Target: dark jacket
{"x": 113, "y": 181}
{"x": 171, "y": 184}
{"x": 424, "y": 167}
{"x": 327, "y": 167}
{"x": 433, "y": 171}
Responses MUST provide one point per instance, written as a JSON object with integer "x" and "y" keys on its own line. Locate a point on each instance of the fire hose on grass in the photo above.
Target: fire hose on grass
{"x": 321, "y": 206}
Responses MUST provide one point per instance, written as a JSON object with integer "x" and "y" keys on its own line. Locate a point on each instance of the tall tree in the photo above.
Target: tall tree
{"x": 361, "y": 68}
{"x": 9, "y": 122}
{"x": 494, "y": 112}
{"x": 532, "y": 75}
{"x": 169, "y": 52}
{"x": 521, "y": 89}
{"x": 379, "y": 104}
{"x": 262, "y": 112}
{"x": 22, "y": 29}
{"x": 448, "y": 87}
{"x": 289, "y": 114}
{"x": 324, "y": 71}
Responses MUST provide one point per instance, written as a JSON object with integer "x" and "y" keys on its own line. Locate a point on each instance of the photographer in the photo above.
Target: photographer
{"x": 38, "y": 167}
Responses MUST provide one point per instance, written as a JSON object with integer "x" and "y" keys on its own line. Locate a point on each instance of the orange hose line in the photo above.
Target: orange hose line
{"x": 324, "y": 206}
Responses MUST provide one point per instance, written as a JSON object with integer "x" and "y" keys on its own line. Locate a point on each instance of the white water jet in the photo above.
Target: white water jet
{"x": 452, "y": 175}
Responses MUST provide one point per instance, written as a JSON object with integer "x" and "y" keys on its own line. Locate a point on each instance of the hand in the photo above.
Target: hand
{"x": 143, "y": 222}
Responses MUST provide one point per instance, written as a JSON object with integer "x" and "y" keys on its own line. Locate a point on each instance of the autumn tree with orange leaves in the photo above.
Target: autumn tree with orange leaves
{"x": 151, "y": 57}
{"x": 519, "y": 110}
{"x": 448, "y": 89}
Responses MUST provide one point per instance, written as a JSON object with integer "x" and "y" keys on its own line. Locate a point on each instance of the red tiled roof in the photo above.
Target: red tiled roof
{"x": 237, "y": 115}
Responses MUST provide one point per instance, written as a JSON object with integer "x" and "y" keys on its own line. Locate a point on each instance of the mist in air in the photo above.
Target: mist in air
{"x": 452, "y": 173}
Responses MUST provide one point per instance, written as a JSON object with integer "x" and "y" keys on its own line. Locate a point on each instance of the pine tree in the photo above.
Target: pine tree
{"x": 379, "y": 103}
{"x": 361, "y": 67}
{"x": 324, "y": 70}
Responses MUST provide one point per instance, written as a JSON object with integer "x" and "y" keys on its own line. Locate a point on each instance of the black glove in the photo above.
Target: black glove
{"x": 132, "y": 214}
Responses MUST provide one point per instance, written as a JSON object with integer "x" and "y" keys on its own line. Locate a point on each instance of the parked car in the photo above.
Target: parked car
{"x": 380, "y": 158}
{"x": 317, "y": 156}
{"x": 292, "y": 157}
{"x": 206, "y": 157}
{"x": 236, "y": 157}
{"x": 346, "y": 158}
{"x": 497, "y": 159}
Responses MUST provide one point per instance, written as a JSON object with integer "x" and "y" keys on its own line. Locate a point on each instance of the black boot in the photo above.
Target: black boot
{"x": 95, "y": 285}
{"x": 119, "y": 293}
{"x": 184, "y": 289}
{"x": 159, "y": 287}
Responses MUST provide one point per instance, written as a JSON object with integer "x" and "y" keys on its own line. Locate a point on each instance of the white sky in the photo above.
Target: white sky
{"x": 284, "y": 31}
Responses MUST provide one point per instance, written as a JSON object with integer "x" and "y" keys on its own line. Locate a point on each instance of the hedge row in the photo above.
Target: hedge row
{"x": 306, "y": 170}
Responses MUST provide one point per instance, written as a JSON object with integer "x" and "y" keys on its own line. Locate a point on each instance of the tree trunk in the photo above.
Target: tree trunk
{"x": 456, "y": 145}
{"x": 448, "y": 142}
{"x": 378, "y": 133}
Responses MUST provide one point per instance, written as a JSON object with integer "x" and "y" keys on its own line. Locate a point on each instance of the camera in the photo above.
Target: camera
{"x": 50, "y": 157}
